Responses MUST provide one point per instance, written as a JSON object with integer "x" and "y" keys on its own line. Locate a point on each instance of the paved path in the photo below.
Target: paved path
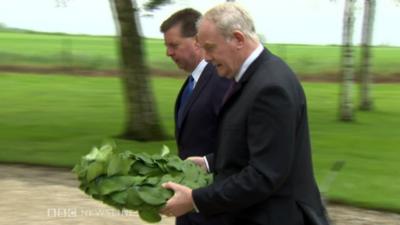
{"x": 49, "y": 196}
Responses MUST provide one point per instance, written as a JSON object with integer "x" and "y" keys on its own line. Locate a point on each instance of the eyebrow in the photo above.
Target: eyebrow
{"x": 209, "y": 46}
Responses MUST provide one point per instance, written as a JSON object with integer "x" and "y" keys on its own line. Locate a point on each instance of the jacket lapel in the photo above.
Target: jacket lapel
{"x": 201, "y": 83}
{"x": 245, "y": 78}
{"x": 178, "y": 100}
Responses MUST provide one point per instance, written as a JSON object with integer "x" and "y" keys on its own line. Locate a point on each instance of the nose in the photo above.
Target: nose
{"x": 207, "y": 56}
{"x": 170, "y": 52}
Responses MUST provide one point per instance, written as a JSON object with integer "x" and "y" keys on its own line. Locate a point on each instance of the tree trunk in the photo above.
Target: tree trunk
{"x": 365, "y": 73}
{"x": 142, "y": 120}
{"x": 346, "y": 96}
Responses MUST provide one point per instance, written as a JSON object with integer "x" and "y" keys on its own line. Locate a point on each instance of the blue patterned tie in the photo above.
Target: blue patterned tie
{"x": 185, "y": 97}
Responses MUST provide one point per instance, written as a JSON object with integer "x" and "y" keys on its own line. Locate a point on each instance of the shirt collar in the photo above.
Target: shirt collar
{"x": 198, "y": 71}
{"x": 252, "y": 57}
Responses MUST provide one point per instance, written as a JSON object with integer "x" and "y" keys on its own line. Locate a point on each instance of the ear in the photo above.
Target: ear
{"x": 239, "y": 38}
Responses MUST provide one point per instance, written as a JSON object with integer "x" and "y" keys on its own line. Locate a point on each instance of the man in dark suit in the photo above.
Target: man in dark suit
{"x": 200, "y": 97}
{"x": 262, "y": 168}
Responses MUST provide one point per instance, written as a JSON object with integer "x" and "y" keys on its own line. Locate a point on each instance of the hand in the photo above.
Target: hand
{"x": 199, "y": 161}
{"x": 180, "y": 203}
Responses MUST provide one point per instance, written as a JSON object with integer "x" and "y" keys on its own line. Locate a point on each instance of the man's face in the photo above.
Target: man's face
{"x": 217, "y": 50}
{"x": 182, "y": 50}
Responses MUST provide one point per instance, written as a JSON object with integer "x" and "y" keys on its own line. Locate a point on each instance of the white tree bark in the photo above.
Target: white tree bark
{"x": 346, "y": 110}
{"x": 366, "y": 101}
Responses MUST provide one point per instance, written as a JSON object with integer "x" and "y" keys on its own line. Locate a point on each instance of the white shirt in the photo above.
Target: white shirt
{"x": 248, "y": 62}
{"x": 197, "y": 72}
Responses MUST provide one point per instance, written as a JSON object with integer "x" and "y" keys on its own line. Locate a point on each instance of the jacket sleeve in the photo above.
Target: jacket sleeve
{"x": 270, "y": 138}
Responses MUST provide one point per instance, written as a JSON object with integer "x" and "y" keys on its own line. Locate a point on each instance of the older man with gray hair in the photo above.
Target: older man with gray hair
{"x": 262, "y": 166}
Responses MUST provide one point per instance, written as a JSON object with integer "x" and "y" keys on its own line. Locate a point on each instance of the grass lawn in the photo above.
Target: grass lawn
{"x": 99, "y": 52}
{"x": 53, "y": 120}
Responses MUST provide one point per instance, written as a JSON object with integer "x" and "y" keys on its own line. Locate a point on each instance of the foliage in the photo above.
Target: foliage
{"x": 155, "y": 4}
{"x": 133, "y": 181}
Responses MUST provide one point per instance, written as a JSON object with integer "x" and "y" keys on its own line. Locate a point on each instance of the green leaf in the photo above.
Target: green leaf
{"x": 152, "y": 181}
{"x": 175, "y": 163}
{"x": 176, "y": 177}
{"x": 94, "y": 170}
{"x": 104, "y": 153}
{"x": 107, "y": 185}
{"x": 101, "y": 154}
{"x": 152, "y": 195}
{"x": 92, "y": 155}
{"x": 145, "y": 158}
{"x": 190, "y": 170}
{"x": 119, "y": 165}
{"x": 107, "y": 199}
{"x": 133, "y": 199}
{"x": 150, "y": 214}
{"x": 146, "y": 170}
{"x": 165, "y": 151}
{"x": 120, "y": 197}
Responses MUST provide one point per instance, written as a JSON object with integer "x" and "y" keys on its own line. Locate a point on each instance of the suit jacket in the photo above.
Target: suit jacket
{"x": 262, "y": 168}
{"x": 195, "y": 136}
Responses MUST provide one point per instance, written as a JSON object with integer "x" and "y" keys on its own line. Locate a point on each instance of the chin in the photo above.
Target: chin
{"x": 224, "y": 74}
{"x": 221, "y": 73}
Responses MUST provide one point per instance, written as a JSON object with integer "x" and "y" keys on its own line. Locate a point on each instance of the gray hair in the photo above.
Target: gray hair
{"x": 229, "y": 17}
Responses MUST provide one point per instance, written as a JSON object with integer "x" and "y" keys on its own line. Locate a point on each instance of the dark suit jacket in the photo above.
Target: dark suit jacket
{"x": 262, "y": 166}
{"x": 196, "y": 135}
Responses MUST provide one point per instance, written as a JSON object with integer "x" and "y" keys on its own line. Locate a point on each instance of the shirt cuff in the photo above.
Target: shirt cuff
{"x": 206, "y": 162}
{"x": 195, "y": 207}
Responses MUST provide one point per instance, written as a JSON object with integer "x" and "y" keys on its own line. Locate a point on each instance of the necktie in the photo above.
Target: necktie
{"x": 230, "y": 91}
{"x": 186, "y": 92}
{"x": 185, "y": 97}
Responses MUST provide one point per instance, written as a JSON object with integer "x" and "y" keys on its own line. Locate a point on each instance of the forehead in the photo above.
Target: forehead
{"x": 173, "y": 31}
{"x": 173, "y": 34}
{"x": 207, "y": 32}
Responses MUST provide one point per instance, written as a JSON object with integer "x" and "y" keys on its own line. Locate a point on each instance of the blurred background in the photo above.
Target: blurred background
{"x": 64, "y": 86}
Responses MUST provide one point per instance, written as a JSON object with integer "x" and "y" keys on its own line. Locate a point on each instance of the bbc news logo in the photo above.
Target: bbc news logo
{"x": 86, "y": 212}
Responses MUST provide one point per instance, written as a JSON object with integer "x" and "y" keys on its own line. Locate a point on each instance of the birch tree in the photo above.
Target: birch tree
{"x": 366, "y": 102}
{"x": 346, "y": 108}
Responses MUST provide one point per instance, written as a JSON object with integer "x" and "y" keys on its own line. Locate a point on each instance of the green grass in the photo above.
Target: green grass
{"x": 369, "y": 146}
{"x": 100, "y": 52}
{"x": 89, "y": 52}
{"x": 53, "y": 120}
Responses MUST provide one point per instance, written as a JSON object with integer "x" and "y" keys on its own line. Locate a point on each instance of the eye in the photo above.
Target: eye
{"x": 173, "y": 46}
{"x": 209, "y": 47}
